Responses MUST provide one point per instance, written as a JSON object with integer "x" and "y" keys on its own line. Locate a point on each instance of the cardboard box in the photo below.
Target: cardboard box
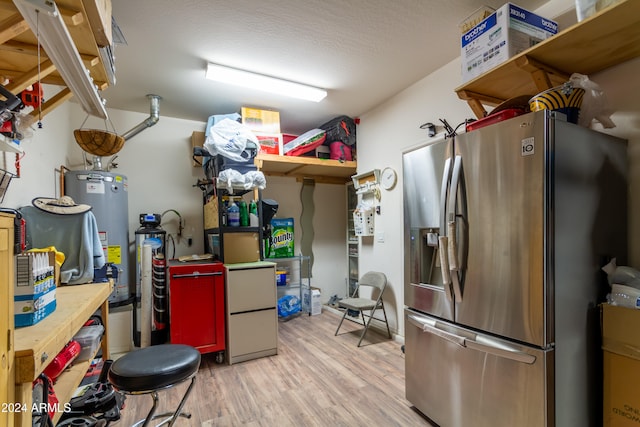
{"x": 270, "y": 143}
{"x": 241, "y": 247}
{"x": 311, "y": 301}
{"x": 210, "y": 213}
{"x": 505, "y": 33}
{"x": 621, "y": 347}
{"x": 197, "y": 141}
{"x": 34, "y": 292}
{"x": 261, "y": 120}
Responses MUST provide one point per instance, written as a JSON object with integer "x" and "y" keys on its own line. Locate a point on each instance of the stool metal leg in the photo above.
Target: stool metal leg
{"x": 184, "y": 399}
{"x": 149, "y": 417}
{"x": 171, "y": 416}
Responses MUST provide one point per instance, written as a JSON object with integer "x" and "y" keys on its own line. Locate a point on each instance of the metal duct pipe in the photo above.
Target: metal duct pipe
{"x": 150, "y": 121}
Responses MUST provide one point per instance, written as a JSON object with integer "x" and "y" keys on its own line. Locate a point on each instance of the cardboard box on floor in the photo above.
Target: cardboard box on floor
{"x": 311, "y": 301}
{"x": 621, "y": 347}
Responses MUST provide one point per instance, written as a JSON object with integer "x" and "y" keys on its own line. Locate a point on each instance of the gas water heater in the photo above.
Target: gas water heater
{"x": 107, "y": 193}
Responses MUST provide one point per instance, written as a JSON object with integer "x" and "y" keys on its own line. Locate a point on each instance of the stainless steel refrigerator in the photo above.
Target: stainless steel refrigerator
{"x": 506, "y": 229}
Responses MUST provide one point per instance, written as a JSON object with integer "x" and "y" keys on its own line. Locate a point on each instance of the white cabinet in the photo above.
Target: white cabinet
{"x": 252, "y": 317}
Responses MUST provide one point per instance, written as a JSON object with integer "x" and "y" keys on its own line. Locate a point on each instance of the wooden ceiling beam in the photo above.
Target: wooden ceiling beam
{"x": 12, "y": 27}
{"x": 20, "y": 83}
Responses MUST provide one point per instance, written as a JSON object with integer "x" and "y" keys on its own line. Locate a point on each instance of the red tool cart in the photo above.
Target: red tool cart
{"x": 196, "y": 306}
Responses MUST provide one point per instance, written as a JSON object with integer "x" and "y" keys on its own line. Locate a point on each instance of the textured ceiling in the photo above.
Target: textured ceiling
{"x": 361, "y": 51}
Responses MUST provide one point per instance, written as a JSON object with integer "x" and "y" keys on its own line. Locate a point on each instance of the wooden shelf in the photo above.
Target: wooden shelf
{"x": 608, "y": 38}
{"x": 37, "y": 345}
{"x": 321, "y": 170}
{"x": 19, "y": 49}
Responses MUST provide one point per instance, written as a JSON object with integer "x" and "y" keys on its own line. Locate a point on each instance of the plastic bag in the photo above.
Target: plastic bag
{"x": 594, "y": 103}
{"x": 229, "y": 138}
{"x": 622, "y": 275}
{"x": 230, "y": 179}
{"x": 288, "y": 305}
{"x": 216, "y": 118}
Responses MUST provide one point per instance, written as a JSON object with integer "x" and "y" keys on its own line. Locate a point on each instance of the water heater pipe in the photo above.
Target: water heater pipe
{"x": 150, "y": 121}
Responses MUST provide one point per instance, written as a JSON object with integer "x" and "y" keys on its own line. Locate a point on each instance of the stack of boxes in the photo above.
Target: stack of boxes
{"x": 265, "y": 125}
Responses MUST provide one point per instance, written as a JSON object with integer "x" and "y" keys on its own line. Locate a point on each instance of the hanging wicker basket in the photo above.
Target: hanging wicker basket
{"x": 98, "y": 142}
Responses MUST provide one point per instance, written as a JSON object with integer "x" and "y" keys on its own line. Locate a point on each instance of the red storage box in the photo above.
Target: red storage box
{"x": 495, "y": 118}
{"x": 270, "y": 143}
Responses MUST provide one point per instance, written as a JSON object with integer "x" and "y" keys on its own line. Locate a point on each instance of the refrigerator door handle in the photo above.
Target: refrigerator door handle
{"x": 501, "y": 351}
{"x": 454, "y": 264}
{"x": 432, "y": 328}
{"x": 453, "y": 247}
{"x": 453, "y": 261}
{"x": 443, "y": 196}
{"x": 453, "y": 192}
{"x": 444, "y": 266}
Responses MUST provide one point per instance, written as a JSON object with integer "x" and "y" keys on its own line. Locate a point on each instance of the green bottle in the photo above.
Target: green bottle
{"x": 244, "y": 214}
{"x": 253, "y": 214}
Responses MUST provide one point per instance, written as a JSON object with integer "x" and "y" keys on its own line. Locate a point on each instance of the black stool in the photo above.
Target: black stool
{"x": 151, "y": 369}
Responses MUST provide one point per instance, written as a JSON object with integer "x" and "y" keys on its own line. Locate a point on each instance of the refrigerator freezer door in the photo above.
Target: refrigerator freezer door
{"x": 461, "y": 378}
{"x": 504, "y": 284}
{"x": 426, "y": 173}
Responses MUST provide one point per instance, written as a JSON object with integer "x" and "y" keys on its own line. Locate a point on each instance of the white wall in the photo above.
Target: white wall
{"x": 329, "y": 229}
{"x": 45, "y": 150}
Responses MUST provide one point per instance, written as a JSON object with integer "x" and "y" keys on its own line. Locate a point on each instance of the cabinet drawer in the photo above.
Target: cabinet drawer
{"x": 251, "y": 289}
{"x": 253, "y": 332}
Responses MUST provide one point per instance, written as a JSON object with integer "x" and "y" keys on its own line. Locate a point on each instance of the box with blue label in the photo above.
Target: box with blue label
{"x": 35, "y": 287}
{"x": 503, "y": 34}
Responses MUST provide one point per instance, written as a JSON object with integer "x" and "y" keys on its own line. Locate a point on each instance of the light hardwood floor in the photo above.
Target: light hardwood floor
{"x": 316, "y": 379}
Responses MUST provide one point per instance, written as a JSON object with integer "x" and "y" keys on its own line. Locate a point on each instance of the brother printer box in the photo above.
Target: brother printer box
{"x": 503, "y": 34}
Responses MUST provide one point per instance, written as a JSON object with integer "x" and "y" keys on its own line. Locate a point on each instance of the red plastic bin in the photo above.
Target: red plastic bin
{"x": 494, "y": 118}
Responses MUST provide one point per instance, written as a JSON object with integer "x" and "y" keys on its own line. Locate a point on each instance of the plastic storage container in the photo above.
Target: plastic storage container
{"x": 89, "y": 339}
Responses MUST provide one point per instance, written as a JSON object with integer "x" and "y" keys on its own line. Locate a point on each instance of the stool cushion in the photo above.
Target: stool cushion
{"x": 154, "y": 368}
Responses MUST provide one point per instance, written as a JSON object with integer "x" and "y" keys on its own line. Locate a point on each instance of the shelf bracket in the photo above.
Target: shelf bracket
{"x": 476, "y": 100}
{"x": 544, "y": 76}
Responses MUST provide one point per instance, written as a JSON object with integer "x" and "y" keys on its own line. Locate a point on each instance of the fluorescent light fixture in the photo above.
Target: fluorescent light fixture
{"x": 264, "y": 83}
{"x": 46, "y": 23}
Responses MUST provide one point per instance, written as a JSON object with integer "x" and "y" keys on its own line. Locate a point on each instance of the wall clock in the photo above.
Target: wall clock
{"x": 388, "y": 178}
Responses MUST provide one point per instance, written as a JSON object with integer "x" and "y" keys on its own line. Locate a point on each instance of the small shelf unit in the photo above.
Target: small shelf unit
{"x": 298, "y": 283}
